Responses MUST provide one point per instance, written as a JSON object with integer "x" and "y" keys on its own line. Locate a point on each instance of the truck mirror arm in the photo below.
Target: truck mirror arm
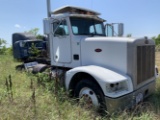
{"x": 59, "y": 22}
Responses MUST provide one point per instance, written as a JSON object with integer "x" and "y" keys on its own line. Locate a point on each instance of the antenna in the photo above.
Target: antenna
{"x": 48, "y": 8}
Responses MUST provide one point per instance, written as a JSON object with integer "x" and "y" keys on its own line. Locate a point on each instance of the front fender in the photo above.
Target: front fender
{"x": 104, "y": 78}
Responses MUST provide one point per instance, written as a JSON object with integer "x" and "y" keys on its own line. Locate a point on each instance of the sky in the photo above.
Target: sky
{"x": 140, "y": 17}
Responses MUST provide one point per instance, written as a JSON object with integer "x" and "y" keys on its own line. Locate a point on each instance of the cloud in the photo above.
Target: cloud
{"x": 17, "y": 26}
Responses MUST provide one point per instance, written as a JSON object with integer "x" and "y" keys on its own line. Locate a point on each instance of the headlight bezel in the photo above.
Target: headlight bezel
{"x": 117, "y": 87}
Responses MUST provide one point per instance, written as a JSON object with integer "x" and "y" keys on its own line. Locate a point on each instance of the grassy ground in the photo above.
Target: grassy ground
{"x": 22, "y": 98}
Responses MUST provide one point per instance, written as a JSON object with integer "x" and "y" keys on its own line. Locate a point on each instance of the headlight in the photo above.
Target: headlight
{"x": 117, "y": 87}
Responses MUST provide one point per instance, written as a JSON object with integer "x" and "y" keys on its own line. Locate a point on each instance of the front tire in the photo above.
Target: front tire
{"x": 91, "y": 95}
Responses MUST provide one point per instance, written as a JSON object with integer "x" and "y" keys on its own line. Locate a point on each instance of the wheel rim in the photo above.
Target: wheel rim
{"x": 89, "y": 97}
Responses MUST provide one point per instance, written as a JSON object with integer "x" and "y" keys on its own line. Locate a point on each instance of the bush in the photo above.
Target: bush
{"x": 3, "y": 50}
{"x": 6, "y": 51}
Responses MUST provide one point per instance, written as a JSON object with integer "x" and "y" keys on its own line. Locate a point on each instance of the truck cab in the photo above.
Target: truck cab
{"x": 69, "y": 32}
{"x": 22, "y": 44}
{"x": 111, "y": 72}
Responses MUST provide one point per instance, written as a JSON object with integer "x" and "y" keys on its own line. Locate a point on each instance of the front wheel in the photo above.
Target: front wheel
{"x": 90, "y": 94}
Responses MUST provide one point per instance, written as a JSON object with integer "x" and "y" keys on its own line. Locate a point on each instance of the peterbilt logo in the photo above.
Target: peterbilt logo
{"x": 98, "y": 50}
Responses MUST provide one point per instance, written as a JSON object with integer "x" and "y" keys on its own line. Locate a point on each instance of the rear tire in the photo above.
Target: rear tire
{"x": 91, "y": 94}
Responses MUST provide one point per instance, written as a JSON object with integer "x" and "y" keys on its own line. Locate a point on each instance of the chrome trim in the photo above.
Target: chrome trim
{"x": 129, "y": 100}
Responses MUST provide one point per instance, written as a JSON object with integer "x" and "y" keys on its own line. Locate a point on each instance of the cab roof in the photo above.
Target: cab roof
{"x": 74, "y": 10}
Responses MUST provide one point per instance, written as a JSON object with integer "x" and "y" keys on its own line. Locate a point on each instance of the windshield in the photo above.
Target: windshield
{"x": 37, "y": 44}
{"x": 87, "y": 26}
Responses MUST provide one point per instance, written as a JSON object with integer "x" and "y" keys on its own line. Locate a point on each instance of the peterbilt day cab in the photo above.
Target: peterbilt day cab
{"x": 109, "y": 72}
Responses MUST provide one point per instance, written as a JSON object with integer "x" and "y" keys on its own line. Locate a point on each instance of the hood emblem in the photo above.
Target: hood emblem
{"x": 98, "y": 50}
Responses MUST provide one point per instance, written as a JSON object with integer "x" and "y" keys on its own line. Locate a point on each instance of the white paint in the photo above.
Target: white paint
{"x": 103, "y": 76}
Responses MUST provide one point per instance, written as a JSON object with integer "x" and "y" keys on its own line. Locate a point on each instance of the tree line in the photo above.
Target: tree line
{"x": 157, "y": 39}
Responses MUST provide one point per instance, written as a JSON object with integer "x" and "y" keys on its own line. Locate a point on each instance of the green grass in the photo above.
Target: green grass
{"x": 27, "y": 100}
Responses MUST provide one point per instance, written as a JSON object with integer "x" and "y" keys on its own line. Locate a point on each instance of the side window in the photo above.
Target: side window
{"x": 98, "y": 29}
{"x": 39, "y": 44}
{"x": 91, "y": 29}
{"x": 75, "y": 29}
{"x": 60, "y": 28}
{"x": 26, "y": 45}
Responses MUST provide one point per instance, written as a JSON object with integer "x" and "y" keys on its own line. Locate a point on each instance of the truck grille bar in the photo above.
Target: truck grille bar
{"x": 145, "y": 63}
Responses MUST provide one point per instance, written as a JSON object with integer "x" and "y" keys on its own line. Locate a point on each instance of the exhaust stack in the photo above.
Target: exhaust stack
{"x": 49, "y": 15}
{"x": 48, "y": 8}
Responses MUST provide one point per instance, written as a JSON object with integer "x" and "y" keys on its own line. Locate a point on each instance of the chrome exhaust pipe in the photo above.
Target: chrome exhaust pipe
{"x": 48, "y": 8}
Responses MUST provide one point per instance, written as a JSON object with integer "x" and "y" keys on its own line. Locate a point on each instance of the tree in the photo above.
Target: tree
{"x": 3, "y": 46}
{"x": 157, "y": 39}
{"x": 34, "y": 51}
{"x": 129, "y": 35}
{"x": 40, "y": 37}
{"x": 33, "y": 31}
{"x": 2, "y": 42}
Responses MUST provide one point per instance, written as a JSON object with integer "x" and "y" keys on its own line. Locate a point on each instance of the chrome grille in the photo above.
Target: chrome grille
{"x": 145, "y": 63}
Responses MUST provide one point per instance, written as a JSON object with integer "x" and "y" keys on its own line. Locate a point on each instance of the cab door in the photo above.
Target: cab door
{"x": 61, "y": 42}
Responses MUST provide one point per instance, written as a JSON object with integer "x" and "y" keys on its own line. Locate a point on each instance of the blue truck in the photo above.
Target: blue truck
{"x": 22, "y": 43}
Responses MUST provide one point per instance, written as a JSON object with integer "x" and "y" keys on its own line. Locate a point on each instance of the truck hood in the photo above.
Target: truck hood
{"x": 128, "y": 40}
{"x": 110, "y": 52}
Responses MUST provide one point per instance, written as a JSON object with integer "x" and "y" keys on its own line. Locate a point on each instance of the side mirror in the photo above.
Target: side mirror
{"x": 120, "y": 29}
{"x": 46, "y": 26}
{"x": 114, "y": 29}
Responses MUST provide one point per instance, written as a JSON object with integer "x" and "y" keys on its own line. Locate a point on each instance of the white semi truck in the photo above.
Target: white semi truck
{"x": 108, "y": 72}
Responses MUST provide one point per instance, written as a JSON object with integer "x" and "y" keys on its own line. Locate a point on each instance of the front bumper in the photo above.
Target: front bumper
{"x": 129, "y": 100}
